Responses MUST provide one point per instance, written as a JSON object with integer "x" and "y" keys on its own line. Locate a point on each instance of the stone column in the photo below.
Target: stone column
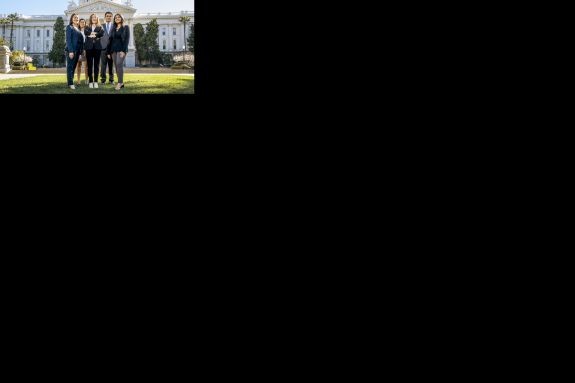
{"x": 4, "y": 59}
{"x": 42, "y": 36}
{"x": 19, "y": 43}
{"x": 131, "y": 57}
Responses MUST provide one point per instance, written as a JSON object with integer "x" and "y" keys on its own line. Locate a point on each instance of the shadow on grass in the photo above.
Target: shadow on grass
{"x": 133, "y": 85}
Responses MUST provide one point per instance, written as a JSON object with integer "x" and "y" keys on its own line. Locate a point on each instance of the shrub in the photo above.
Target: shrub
{"x": 181, "y": 65}
{"x": 166, "y": 59}
{"x": 16, "y": 57}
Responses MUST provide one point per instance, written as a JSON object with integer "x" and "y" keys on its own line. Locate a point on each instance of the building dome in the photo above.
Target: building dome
{"x": 88, "y": 1}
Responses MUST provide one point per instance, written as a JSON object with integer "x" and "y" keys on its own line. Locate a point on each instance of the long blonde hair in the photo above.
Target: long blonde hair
{"x": 89, "y": 23}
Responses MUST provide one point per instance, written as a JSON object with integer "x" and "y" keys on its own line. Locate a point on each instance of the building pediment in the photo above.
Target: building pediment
{"x": 100, "y": 7}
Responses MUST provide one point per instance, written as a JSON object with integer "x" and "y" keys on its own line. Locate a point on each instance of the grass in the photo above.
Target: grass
{"x": 134, "y": 84}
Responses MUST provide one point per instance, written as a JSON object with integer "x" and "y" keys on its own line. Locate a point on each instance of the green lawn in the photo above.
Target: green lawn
{"x": 134, "y": 84}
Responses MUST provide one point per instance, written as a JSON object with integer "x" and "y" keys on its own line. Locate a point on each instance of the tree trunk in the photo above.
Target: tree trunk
{"x": 185, "y": 42}
{"x": 11, "y": 33}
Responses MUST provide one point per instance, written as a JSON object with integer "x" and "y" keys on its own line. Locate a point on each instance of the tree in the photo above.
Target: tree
{"x": 185, "y": 19}
{"x": 151, "y": 38}
{"x": 140, "y": 42}
{"x": 146, "y": 42}
{"x": 4, "y": 22}
{"x": 12, "y": 18}
{"x": 191, "y": 38}
{"x": 57, "y": 55}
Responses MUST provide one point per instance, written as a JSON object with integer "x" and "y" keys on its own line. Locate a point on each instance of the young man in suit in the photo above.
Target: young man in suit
{"x": 108, "y": 25}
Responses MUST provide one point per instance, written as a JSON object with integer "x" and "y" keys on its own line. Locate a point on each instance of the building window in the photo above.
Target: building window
{"x": 47, "y": 45}
{"x": 37, "y": 33}
{"x": 47, "y": 33}
{"x": 163, "y": 32}
{"x": 28, "y": 33}
{"x": 28, "y": 46}
{"x": 174, "y": 44}
{"x": 174, "y": 32}
{"x": 164, "y": 45}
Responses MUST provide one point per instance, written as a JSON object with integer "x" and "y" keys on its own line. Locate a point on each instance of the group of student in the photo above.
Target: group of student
{"x": 94, "y": 45}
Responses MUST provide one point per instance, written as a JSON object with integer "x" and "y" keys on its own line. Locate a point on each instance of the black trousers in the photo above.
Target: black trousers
{"x": 71, "y": 66}
{"x": 105, "y": 61}
{"x": 93, "y": 56}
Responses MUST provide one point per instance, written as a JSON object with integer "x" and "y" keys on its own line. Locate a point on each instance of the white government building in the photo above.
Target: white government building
{"x": 36, "y": 32}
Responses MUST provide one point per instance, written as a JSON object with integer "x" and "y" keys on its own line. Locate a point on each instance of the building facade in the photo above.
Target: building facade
{"x": 36, "y": 33}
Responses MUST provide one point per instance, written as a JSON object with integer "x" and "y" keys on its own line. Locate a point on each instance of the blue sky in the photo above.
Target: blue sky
{"x": 57, "y": 7}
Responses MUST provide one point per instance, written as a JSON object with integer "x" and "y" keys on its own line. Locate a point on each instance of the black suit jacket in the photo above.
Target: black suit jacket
{"x": 119, "y": 40}
{"x": 93, "y": 42}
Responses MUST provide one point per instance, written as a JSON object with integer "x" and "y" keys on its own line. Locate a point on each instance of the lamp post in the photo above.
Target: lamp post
{"x": 184, "y": 50}
{"x": 24, "y": 66}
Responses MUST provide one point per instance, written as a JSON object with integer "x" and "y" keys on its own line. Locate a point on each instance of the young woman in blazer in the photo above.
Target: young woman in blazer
{"x": 93, "y": 32}
{"x": 82, "y": 59}
{"x": 74, "y": 47}
{"x": 118, "y": 47}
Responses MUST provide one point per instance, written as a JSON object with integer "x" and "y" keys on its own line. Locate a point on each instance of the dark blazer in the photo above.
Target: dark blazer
{"x": 93, "y": 42}
{"x": 119, "y": 40}
{"x": 74, "y": 40}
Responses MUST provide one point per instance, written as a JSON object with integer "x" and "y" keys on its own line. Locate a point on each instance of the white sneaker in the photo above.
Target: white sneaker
{"x": 96, "y": 85}
{"x": 72, "y": 87}
{"x": 91, "y": 85}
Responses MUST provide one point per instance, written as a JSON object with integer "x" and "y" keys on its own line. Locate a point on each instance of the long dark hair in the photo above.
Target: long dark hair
{"x": 114, "y": 20}
{"x": 71, "y": 17}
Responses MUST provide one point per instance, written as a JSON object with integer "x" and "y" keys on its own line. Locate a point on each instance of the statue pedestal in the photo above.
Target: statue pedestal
{"x": 4, "y": 59}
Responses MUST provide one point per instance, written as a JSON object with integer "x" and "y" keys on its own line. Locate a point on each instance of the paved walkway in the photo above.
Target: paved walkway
{"x": 10, "y": 76}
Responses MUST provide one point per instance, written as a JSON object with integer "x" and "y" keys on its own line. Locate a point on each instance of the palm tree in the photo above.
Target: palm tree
{"x": 11, "y": 19}
{"x": 3, "y": 22}
{"x": 185, "y": 19}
